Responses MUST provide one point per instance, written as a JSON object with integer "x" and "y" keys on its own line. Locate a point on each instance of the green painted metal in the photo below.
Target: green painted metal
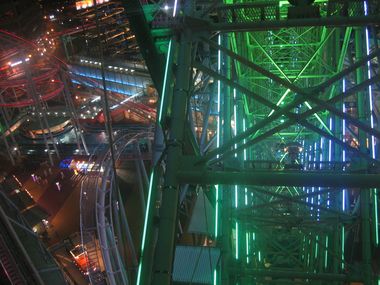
{"x": 139, "y": 25}
{"x": 289, "y": 133}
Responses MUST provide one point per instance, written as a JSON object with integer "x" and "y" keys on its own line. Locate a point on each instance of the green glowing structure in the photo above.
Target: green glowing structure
{"x": 273, "y": 114}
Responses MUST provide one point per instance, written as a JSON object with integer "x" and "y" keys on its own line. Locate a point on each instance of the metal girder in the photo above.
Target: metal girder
{"x": 197, "y": 24}
{"x": 294, "y": 274}
{"x": 141, "y": 30}
{"x": 307, "y": 94}
{"x": 249, "y": 81}
{"x": 293, "y": 118}
{"x": 278, "y": 178}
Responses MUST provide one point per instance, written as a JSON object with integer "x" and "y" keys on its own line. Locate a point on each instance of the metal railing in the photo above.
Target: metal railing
{"x": 99, "y": 196}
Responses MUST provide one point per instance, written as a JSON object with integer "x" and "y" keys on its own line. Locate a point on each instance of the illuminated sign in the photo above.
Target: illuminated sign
{"x": 88, "y": 3}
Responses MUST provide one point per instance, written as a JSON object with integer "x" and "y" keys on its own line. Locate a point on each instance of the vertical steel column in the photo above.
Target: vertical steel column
{"x": 5, "y": 119}
{"x": 164, "y": 253}
{"x": 36, "y": 100}
{"x": 365, "y": 194}
{"x": 126, "y": 228}
{"x": 7, "y": 125}
{"x": 361, "y": 95}
{"x": 9, "y": 150}
{"x": 139, "y": 179}
{"x": 149, "y": 232}
{"x": 73, "y": 114}
{"x": 140, "y": 161}
{"x": 226, "y": 190}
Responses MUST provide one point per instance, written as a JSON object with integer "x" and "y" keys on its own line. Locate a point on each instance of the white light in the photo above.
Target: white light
{"x": 96, "y": 99}
{"x": 166, "y": 7}
{"x": 15, "y": 63}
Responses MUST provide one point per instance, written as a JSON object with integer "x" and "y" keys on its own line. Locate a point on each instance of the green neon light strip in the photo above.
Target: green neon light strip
{"x": 376, "y": 219}
{"x": 216, "y": 210}
{"x": 236, "y": 196}
{"x": 145, "y": 226}
{"x": 342, "y": 247}
{"x": 235, "y": 119}
{"x": 319, "y": 119}
{"x": 244, "y": 141}
{"x": 215, "y": 276}
{"x": 218, "y": 144}
{"x": 307, "y": 105}
{"x": 245, "y": 158}
{"x": 236, "y": 187}
{"x": 316, "y": 247}
{"x": 323, "y": 41}
{"x": 147, "y": 211}
{"x": 168, "y": 57}
{"x": 247, "y": 245}
{"x": 139, "y": 274}
{"x": 237, "y": 241}
{"x": 326, "y": 245}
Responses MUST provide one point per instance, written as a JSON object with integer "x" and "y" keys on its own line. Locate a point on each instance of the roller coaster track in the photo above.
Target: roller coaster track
{"x": 100, "y": 208}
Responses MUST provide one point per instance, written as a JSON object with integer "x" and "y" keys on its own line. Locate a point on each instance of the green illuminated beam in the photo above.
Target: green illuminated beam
{"x": 238, "y": 58}
{"x": 146, "y": 255}
{"x": 165, "y": 85}
{"x": 270, "y": 58}
{"x": 323, "y": 42}
{"x": 225, "y": 149}
{"x": 326, "y": 251}
{"x": 342, "y": 56}
{"x": 296, "y": 89}
{"x": 376, "y": 218}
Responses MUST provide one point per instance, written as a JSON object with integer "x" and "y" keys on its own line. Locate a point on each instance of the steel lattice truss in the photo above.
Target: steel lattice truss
{"x": 276, "y": 116}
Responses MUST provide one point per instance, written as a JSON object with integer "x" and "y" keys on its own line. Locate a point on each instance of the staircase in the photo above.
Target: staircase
{"x": 9, "y": 265}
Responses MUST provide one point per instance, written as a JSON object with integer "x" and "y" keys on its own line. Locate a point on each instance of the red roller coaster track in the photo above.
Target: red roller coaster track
{"x": 22, "y": 68}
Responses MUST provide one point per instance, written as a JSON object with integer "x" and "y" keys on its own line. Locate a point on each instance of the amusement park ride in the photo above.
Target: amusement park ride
{"x": 302, "y": 75}
{"x": 265, "y": 152}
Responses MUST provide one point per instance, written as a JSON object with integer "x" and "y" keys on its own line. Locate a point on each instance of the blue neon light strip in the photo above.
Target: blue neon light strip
{"x": 109, "y": 88}
{"x": 107, "y": 79}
